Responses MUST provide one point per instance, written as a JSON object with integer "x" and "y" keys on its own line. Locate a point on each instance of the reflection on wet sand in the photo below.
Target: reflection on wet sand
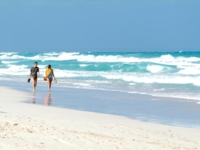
{"x": 34, "y": 98}
{"x": 47, "y": 99}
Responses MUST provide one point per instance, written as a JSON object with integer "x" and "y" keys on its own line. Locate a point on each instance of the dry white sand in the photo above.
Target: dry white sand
{"x": 26, "y": 126}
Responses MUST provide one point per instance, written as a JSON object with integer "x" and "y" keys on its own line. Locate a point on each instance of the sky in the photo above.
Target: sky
{"x": 99, "y": 25}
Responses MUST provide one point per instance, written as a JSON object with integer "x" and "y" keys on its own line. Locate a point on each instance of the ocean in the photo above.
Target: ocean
{"x": 161, "y": 87}
{"x": 164, "y": 74}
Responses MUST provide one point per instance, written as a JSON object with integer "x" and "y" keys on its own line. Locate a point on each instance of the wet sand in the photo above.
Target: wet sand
{"x": 25, "y": 126}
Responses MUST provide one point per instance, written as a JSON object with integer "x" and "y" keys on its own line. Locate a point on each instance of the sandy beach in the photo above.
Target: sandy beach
{"x": 27, "y": 126}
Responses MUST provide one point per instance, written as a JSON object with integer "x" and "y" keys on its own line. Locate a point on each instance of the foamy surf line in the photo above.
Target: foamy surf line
{"x": 134, "y": 88}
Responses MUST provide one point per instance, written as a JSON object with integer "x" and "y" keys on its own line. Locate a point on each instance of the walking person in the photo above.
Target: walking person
{"x": 34, "y": 73}
{"x": 49, "y": 76}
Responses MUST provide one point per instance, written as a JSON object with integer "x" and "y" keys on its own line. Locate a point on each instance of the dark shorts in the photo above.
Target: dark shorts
{"x": 50, "y": 79}
{"x": 34, "y": 78}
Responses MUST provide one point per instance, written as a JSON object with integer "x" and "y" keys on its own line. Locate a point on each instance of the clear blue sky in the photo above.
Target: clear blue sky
{"x": 103, "y": 25}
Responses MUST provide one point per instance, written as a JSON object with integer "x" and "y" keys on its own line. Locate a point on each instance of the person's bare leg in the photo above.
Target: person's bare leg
{"x": 33, "y": 81}
{"x": 49, "y": 84}
{"x": 34, "y": 84}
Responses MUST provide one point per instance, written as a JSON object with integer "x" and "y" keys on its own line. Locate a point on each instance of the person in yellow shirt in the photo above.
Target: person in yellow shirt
{"x": 50, "y": 76}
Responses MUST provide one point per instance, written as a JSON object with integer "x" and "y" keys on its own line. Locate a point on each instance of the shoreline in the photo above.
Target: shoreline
{"x": 175, "y": 112}
{"x": 197, "y": 101}
{"x": 39, "y": 127}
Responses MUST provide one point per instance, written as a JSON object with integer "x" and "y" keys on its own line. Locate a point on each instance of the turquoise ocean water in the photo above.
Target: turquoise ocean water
{"x": 166, "y": 74}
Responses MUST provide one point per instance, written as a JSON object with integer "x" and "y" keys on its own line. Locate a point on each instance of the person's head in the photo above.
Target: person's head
{"x": 35, "y": 64}
{"x": 49, "y": 66}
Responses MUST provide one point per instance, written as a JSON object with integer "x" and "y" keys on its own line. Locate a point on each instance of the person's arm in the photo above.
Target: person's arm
{"x": 53, "y": 74}
{"x": 38, "y": 73}
{"x": 46, "y": 73}
{"x": 30, "y": 72}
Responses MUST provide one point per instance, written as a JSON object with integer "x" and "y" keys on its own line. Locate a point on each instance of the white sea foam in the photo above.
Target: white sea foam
{"x": 82, "y": 84}
{"x": 154, "y": 68}
{"x": 52, "y": 54}
{"x": 99, "y": 82}
{"x": 42, "y": 66}
{"x": 149, "y": 78}
{"x": 9, "y": 62}
{"x": 62, "y": 56}
{"x": 64, "y": 73}
{"x": 132, "y": 77}
{"x": 8, "y": 53}
{"x": 161, "y": 79}
{"x": 14, "y": 70}
{"x": 83, "y": 65}
{"x": 131, "y": 83}
{"x": 160, "y": 73}
{"x": 186, "y": 66}
{"x": 11, "y": 57}
{"x": 177, "y": 95}
{"x": 190, "y": 71}
{"x": 17, "y": 67}
{"x": 164, "y": 59}
{"x": 158, "y": 90}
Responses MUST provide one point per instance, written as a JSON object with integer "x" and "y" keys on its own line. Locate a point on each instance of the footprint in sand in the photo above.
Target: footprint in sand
{"x": 63, "y": 141}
